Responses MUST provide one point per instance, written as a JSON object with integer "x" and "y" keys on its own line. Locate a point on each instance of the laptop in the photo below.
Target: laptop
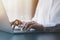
{"x": 6, "y": 26}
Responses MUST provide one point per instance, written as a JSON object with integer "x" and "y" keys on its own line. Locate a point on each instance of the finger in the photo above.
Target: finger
{"x": 23, "y": 26}
{"x": 11, "y": 23}
{"x": 28, "y": 29}
{"x": 26, "y": 26}
{"x": 13, "y": 27}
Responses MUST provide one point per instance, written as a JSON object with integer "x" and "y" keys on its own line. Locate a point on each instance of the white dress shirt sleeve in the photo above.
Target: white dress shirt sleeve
{"x": 47, "y": 13}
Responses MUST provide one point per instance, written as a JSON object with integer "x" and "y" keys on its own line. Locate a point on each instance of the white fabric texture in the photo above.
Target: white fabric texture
{"x": 47, "y": 13}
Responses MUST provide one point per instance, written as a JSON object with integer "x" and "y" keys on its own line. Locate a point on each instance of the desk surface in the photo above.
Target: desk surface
{"x": 36, "y": 36}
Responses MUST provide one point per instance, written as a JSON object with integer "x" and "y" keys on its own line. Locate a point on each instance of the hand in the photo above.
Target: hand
{"x": 16, "y": 23}
{"x": 33, "y": 25}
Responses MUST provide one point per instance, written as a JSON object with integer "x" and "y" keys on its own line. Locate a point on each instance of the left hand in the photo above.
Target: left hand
{"x": 16, "y": 23}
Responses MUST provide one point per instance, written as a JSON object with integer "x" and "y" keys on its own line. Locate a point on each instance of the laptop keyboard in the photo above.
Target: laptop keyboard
{"x": 19, "y": 30}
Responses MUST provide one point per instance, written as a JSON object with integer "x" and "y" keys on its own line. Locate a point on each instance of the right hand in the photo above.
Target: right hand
{"x": 33, "y": 25}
